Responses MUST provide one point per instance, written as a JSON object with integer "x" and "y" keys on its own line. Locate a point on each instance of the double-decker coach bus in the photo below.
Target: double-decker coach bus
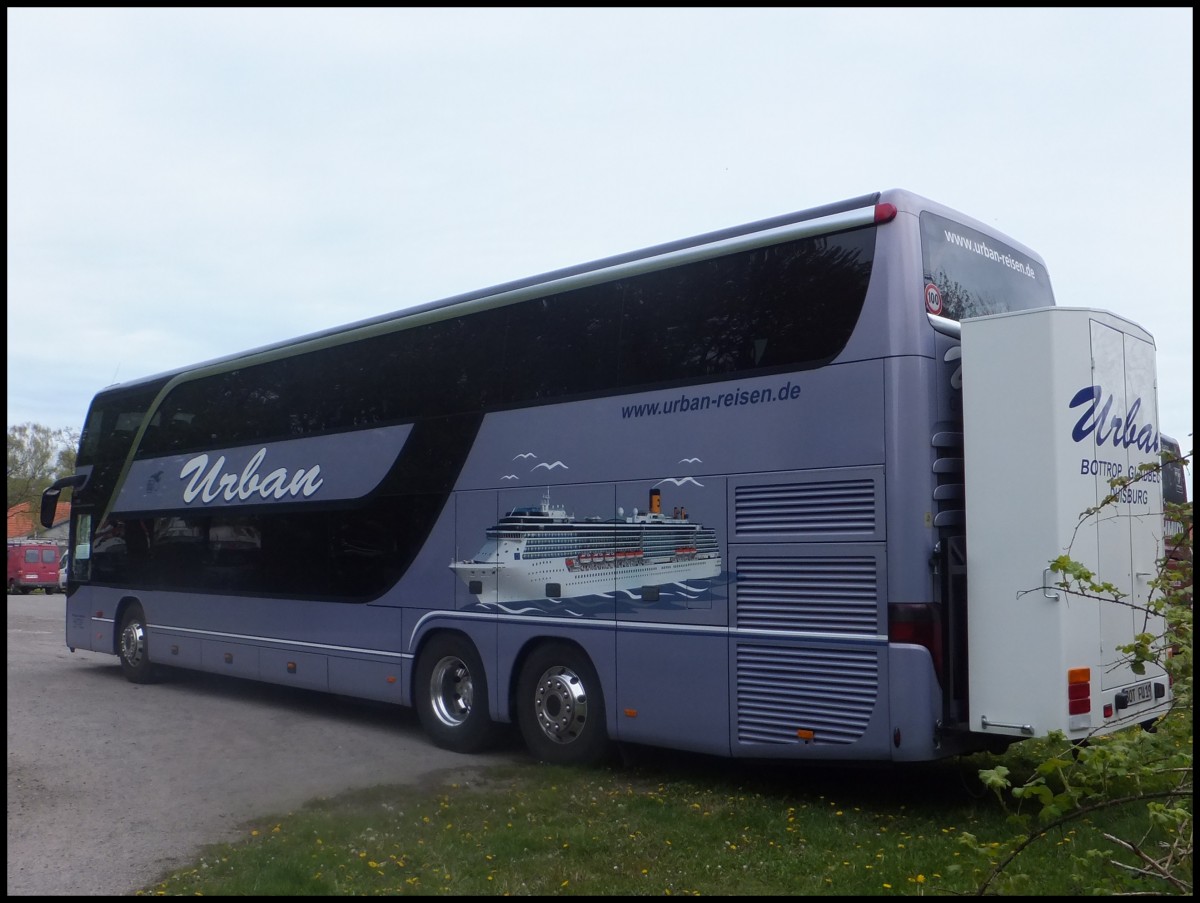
{"x": 788, "y": 489}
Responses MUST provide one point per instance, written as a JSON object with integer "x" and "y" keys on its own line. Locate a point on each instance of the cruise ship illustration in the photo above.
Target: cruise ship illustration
{"x": 542, "y": 552}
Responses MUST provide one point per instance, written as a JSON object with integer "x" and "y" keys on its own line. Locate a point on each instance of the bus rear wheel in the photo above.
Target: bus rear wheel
{"x": 451, "y": 695}
{"x": 560, "y": 707}
{"x": 133, "y": 646}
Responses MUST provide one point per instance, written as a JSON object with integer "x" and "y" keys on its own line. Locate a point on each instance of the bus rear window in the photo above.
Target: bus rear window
{"x": 969, "y": 274}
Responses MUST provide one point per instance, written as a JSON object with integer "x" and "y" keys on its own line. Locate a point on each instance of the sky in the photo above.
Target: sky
{"x": 188, "y": 183}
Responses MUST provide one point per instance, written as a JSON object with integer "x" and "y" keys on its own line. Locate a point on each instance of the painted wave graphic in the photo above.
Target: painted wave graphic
{"x": 671, "y": 596}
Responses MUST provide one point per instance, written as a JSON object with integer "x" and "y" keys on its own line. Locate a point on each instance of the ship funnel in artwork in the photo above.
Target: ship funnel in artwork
{"x": 655, "y": 502}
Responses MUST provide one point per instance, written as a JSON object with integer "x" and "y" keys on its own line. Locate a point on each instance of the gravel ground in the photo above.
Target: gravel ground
{"x": 112, "y": 784}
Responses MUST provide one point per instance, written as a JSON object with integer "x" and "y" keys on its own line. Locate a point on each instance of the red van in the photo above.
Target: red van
{"x": 32, "y": 564}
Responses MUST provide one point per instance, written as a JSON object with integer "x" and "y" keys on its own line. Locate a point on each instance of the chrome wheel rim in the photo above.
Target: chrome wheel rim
{"x": 451, "y": 691}
{"x": 133, "y": 643}
{"x": 560, "y": 704}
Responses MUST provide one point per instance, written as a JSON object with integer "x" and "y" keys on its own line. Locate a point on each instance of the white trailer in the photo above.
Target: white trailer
{"x": 1056, "y": 403}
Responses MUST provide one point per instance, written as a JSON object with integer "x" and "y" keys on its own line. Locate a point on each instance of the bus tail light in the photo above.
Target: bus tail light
{"x": 920, "y": 624}
{"x": 884, "y": 213}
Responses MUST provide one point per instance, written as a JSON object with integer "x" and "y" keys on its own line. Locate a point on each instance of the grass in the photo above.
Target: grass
{"x": 667, "y": 824}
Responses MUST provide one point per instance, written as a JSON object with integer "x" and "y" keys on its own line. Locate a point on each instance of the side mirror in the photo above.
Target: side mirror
{"x": 50, "y": 496}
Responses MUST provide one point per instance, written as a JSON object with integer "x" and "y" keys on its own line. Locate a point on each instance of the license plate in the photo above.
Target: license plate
{"x": 1139, "y": 693}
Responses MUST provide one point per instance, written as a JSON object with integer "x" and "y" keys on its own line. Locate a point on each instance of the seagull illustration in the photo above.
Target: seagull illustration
{"x": 679, "y": 481}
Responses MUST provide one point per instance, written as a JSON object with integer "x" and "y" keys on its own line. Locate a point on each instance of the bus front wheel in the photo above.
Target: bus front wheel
{"x": 133, "y": 646}
{"x": 451, "y": 695}
{"x": 560, "y": 707}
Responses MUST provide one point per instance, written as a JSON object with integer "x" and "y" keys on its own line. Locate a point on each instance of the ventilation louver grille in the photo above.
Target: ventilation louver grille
{"x": 782, "y": 691}
{"x": 834, "y": 594}
{"x": 805, "y": 510}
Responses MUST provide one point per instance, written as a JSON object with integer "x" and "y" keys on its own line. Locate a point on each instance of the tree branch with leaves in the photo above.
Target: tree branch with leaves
{"x": 37, "y": 456}
{"x": 1150, "y": 767}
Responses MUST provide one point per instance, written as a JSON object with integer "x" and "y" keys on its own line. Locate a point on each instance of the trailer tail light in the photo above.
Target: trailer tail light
{"x": 1079, "y": 698}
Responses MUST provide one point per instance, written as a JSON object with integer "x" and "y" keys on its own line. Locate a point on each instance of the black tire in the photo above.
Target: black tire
{"x": 133, "y": 646}
{"x": 560, "y": 707}
{"x": 450, "y": 692}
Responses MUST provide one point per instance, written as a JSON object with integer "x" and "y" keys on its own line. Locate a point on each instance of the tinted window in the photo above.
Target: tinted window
{"x": 562, "y": 345}
{"x": 977, "y": 275}
{"x": 450, "y": 366}
{"x": 112, "y": 422}
{"x": 349, "y": 555}
{"x": 792, "y": 305}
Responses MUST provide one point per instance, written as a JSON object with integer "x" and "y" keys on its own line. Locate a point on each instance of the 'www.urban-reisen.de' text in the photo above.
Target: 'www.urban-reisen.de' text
{"x": 685, "y": 403}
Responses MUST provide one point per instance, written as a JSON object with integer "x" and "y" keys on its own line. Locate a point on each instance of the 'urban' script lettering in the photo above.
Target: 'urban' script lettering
{"x": 211, "y": 484}
{"x": 1118, "y": 432}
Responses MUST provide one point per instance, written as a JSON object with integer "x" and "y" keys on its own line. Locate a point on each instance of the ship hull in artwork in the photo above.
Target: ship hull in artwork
{"x": 543, "y": 553}
{"x": 503, "y": 583}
